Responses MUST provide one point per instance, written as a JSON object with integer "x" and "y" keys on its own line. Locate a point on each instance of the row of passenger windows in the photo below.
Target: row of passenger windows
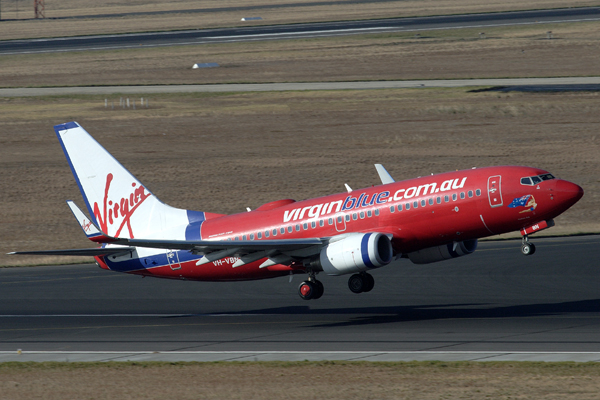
{"x": 354, "y": 216}
{"x": 305, "y": 225}
{"x": 431, "y": 201}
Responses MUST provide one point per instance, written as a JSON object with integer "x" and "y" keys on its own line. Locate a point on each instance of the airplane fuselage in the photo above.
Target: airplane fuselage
{"x": 416, "y": 214}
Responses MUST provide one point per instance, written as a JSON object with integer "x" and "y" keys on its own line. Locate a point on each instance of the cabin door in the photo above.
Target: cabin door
{"x": 495, "y": 191}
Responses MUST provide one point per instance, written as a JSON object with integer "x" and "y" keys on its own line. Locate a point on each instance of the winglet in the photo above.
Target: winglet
{"x": 89, "y": 228}
{"x": 384, "y": 175}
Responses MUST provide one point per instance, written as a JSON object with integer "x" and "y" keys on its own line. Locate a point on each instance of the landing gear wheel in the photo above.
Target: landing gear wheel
{"x": 358, "y": 283}
{"x": 528, "y": 248}
{"x": 319, "y": 289}
{"x": 370, "y": 282}
{"x": 307, "y": 290}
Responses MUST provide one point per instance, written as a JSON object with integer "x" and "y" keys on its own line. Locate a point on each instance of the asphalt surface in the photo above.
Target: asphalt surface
{"x": 296, "y": 31}
{"x": 505, "y": 84}
{"x": 493, "y": 305}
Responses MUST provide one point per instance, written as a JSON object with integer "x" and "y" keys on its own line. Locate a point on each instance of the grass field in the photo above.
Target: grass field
{"x": 323, "y": 380}
{"x": 520, "y": 51}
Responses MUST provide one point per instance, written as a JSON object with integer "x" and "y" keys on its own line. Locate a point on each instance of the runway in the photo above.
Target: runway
{"x": 531, "y": 84}
{"x": 493, "y": 305}
{"x": 296, "y": 31}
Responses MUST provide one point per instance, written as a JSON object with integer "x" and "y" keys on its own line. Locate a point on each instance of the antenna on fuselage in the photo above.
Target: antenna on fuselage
{"x": 348, "y": 188}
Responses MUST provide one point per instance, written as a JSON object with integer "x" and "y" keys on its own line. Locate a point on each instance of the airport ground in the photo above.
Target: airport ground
{"x": 223, "y": 152}
{"x": 292, "y": 380}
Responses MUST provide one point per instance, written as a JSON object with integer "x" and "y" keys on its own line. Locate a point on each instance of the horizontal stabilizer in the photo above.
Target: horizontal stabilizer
{"x": 87, "y": 225}
{"x": 77, "y": 252}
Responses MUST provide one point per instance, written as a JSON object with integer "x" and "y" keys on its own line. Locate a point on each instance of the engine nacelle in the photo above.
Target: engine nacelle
{"x": 355, "y": 253}
{"x": 443, "y": 252}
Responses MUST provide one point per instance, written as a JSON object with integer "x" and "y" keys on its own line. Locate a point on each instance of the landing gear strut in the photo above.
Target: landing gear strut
{"x": 359, "y": 283}
{"x": 527, "y": 248}
{"x": 311, "y": 289}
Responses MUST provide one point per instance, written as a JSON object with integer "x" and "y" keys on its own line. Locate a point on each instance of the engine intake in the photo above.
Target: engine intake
{"x": 355, "y": 253}
{"x": 443, "y": 252}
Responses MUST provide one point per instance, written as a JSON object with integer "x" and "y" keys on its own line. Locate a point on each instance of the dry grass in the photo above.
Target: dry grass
{"x": 506, "y": 52}
{"x": 223, "y": 152}
{"x": 19, "y": 23}
{"x": 324, "y": 380}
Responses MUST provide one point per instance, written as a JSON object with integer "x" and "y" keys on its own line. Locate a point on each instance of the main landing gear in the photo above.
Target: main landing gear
{"x": 362, "y": 282}
{"x": 311, "y": 289}
{"x": 527, "y": 248}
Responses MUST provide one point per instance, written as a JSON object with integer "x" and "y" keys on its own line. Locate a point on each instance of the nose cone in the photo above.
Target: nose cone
{"x": 568, "y": 193}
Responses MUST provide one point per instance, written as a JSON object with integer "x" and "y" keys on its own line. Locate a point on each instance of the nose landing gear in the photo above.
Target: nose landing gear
{"x": 527, "y": 248}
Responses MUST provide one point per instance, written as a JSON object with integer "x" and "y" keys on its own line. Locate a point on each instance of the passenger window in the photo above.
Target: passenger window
{"x": 454, "y": 197}
{"x": 408, "y": 206}
{"x": 423, "y": 203}
{"x": 282, "y": 230}
{"x": 399, "y": 207}
{"x": 354, "y": 216}
{"x": 462, "y": 195}
{"x": 392, "y": 209}
{"x": 305, "y": 226}
{"x": 470, "y": 193}
{"x": 438, "y": 200}
{"x": 290, "y": 229}
{"x": 415, "y": 204}
{"x": 339, "y": 219}
{"x": 446, "y": 198}
{"x": 369, "y": 213}
{"x": 362, "y": 215}
{"x": 313, "y": 224}
{"x": 298, "y": 228}
{"x": 321, "y": 223}
{"x": 267, "y": 234}
{"x": 244, "y": 237}
{"x": 347, "y": 217}
{"x": 252, "y": 236}
{"x": 376, "y": 211}
{"x": 330, "y": 221}
{"x": 274, "y": 232}
{"x": 431, "y": 201}
{"x": 237, "y": 238}
{"x": 478, "y": 192}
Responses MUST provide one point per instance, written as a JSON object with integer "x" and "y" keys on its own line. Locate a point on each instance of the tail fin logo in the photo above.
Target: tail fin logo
{"x": 119, "y": 212}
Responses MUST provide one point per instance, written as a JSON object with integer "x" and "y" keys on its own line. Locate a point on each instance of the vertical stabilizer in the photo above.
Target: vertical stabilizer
{"x": 118, "y": 203}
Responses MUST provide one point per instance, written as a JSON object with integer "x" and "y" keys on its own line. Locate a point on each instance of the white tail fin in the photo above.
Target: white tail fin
{"x": 118, "y": 203}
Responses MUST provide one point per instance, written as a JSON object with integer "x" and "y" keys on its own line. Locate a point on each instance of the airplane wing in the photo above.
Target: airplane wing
{"x": 78, "y": 252}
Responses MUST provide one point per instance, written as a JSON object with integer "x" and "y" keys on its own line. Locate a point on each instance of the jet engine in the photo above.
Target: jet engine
{"x": 355, "y": 253}
{"x": 443, "y": 252}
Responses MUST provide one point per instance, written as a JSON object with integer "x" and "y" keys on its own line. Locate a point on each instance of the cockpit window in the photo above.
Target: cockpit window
{"x": 526, "y": 181}
{"x": 545, "y": 177}
{"x": 534, "y": 180}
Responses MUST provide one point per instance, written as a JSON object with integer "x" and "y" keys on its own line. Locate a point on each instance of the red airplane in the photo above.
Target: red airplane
{"x": 427, "y": 219}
